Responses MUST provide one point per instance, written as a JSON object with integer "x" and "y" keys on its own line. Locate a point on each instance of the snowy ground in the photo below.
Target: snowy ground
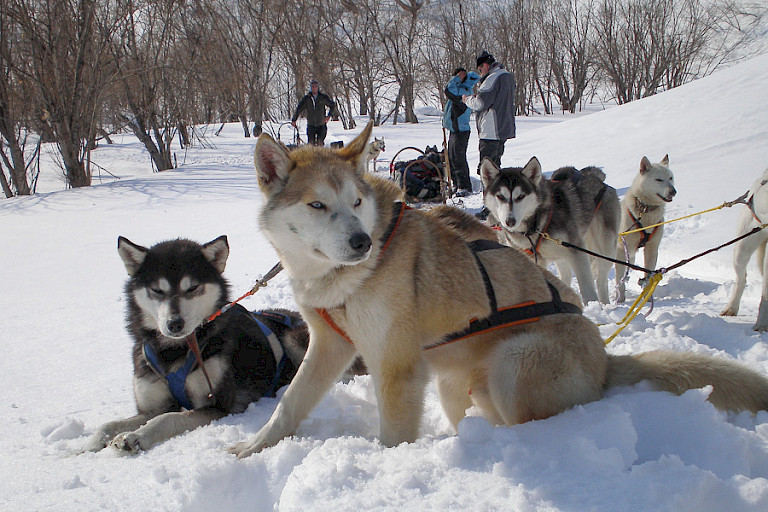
{"x": 66, "y": 363}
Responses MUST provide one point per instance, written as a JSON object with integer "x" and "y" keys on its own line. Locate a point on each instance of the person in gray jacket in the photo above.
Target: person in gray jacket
{"x": 314, "y": 106}
{"x": 494, "y": 106}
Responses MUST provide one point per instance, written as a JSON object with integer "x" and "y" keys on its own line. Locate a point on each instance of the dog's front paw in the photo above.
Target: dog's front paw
{"x": 247, "y": 448}
{"x": 95, "y": 444}
{"x": 127, "y": 442}
{"x": 730, "y": 311}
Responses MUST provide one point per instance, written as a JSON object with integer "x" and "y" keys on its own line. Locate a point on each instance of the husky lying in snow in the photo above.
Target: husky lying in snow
{"x": 173, "y": 288}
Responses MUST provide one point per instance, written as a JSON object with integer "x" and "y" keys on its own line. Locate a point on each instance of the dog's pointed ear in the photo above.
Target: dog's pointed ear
{"x": 665, "y": 161}
{"x": 132, "y": 255}
{"x": 645, "y": 165}
{"x": 217, "y": 252}
{"x": 532, "y": 170}
{"x": 488, "y": 171}
{"x": 354, "y": 152}
{"x": 272, "y": 164}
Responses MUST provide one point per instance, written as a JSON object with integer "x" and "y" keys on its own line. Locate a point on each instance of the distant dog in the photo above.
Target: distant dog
{"x": 575, "y": 206}
{"x": 643, "y": 205}
{"x": 409, "y": 292}
{"x": 375, "y": 148}
{"x": 749, "y": 219}
{"x": 174, "y": 287}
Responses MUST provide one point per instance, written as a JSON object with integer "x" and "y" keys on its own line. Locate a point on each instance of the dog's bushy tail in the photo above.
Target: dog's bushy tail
{"x": 735, "y": 387}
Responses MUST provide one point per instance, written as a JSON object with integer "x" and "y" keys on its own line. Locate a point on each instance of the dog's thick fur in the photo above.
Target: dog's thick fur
{"x": 394, "y": 295}
{"x": 643, "y": 205}
{"x": 173, "y": 288}
{"x": 375, "y": 147}
{"x": 753, "y": 244}
{"x": 575, "y": 206}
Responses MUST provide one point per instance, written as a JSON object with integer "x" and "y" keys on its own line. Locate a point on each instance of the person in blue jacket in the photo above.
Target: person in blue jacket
{"x": 456, "y": 121}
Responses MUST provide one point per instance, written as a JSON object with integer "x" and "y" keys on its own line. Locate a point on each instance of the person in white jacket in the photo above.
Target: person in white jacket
{"x": 494, "y": 106}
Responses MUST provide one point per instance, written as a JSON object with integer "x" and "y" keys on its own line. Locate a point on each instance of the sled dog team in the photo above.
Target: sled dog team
{"x": 507, "y": 337}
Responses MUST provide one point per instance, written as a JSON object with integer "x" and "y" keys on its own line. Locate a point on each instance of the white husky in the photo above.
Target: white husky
{"x": 749, "y": 219}
{"x": 375, "y": 148}
{"x": 643, "y": 205}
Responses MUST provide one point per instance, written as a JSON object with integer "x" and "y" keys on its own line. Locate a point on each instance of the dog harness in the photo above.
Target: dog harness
{"x": 519, "y": 314}
{"x": 526, "y": 312}
{"x": 275, "y": 344}
{"x": 177, "y": 380}
{"x": 645, "y": 236}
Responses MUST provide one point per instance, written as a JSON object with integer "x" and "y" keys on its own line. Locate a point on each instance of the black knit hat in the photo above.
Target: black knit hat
{"x": 485, "y": 57}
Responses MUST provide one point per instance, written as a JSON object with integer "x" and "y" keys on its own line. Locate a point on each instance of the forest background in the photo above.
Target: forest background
{"x": 75, "y": 72}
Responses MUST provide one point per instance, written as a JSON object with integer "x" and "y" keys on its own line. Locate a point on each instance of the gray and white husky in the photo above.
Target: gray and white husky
{"x": 643, "y": 206}
{"x": 574, "y": 206}
{"x": 173, "y": 288}
{"x": 750, "y": 218}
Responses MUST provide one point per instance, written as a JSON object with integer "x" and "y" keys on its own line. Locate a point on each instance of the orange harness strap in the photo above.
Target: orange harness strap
{"x": 399, "y": 208}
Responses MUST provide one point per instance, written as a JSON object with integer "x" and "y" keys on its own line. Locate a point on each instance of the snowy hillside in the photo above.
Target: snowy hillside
{"x": 66, "y": 356}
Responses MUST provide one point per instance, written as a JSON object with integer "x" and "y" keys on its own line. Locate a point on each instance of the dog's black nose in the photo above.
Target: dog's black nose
{"x": 360, "y": 242}
{"x": 175, "y": 325}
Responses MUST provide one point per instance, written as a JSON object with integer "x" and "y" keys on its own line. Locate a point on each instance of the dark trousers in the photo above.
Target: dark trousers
{"x": 492, "y": 149}
{"x": 316, "y": 135}
{"x": 457, "y": 156}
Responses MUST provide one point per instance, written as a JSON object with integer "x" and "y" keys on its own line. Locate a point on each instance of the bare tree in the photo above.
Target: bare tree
{"x": 399, "y": 31}
{"x": 69, "y": 70}
{"x": 564, "y": 33}
{"x": 13, "y": 91}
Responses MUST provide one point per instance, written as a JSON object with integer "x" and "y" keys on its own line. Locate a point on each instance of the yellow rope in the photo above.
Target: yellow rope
{"x": 724, "y": 205}
{"x": 637, "y": 305}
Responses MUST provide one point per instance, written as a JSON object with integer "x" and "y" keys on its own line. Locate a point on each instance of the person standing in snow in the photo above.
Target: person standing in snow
{"x": 494, "y": 105}
{"x": 456, "y": 121}
{"x": 318, "y": 108}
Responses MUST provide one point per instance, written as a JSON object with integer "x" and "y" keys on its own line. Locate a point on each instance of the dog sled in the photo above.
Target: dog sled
{"x": 297, "y": 141}
{"x": 423, "y": 179}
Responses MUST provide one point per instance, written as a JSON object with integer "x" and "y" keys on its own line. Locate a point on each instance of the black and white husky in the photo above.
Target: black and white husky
{"x": 574, "y": 206}
{"x": 173, "y": 289}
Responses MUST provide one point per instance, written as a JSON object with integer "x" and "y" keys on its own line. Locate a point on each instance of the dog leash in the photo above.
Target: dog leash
{"x": 261, "y": 283}
{"x": 192, "y": 338}
{"x": 742, "y": 199}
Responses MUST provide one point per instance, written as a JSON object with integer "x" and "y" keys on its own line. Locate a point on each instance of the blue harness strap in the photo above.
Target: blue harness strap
{"x": 176, "y": 380}
{"x": 278, "y": 350}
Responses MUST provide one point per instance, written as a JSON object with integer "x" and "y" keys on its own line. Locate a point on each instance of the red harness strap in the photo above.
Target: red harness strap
{"x": 400, "y": 208}
{"x": 534, "y": 252}
{"x": 646, "y": 237}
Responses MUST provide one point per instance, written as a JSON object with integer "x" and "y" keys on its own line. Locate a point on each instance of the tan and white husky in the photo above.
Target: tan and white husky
{"x": 409, "y": 292}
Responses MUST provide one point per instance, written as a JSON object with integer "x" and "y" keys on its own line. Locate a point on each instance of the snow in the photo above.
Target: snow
{"x": 66, "y": 356}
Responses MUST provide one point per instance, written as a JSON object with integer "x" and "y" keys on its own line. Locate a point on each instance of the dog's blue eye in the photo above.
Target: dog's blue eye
{"x": 157, "y": 291}
{"x": 317, "y": 205}
{"x": 358, "y": 202}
